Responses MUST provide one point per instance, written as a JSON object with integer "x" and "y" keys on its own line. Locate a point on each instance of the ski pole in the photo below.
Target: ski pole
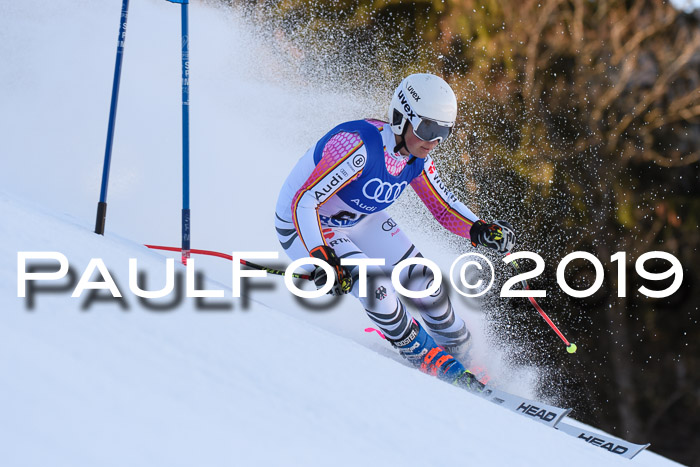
{"x": 230, "y": 258}
{"x": 570, "y": 346}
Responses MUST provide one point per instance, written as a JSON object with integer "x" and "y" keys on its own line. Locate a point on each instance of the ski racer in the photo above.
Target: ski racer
{"x": 333, "y": 206}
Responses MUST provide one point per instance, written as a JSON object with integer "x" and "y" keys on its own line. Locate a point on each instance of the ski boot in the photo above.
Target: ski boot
{"x": 461, "y": 350}
{"x": 421, "y": 351}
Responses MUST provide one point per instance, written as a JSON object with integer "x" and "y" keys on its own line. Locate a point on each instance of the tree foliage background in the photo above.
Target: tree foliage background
{"x": 580, "y": 122}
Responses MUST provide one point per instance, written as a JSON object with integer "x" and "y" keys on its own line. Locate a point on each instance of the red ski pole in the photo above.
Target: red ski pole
{"x": 570, "y": 346}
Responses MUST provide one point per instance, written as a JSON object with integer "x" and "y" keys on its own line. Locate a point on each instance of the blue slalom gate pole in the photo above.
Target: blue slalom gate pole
{"x": 102, "y": 204}
{"x": 185, "y": 132}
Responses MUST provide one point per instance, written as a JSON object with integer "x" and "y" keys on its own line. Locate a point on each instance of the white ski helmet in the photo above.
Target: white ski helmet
{"x": 428, "y": 102}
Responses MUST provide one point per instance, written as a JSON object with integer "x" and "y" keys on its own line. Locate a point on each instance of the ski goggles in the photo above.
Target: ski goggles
{"x": 431, "y": 130}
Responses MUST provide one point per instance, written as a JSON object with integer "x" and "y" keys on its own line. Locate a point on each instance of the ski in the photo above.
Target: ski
{"x": 538, "y": 411}
{"x": 554, "y": 417}
{"x": 604, "y": 441}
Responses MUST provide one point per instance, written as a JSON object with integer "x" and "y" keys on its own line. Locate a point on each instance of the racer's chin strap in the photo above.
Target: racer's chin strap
{"x": 402, "y": 144}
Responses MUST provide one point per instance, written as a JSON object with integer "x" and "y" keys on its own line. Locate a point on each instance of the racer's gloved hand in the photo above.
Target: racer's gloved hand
{"x": 498, "y": 236}
{"x": 343, "y": 279}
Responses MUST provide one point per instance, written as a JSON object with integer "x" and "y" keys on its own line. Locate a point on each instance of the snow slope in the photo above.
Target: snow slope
{"x": 267, "y": 382}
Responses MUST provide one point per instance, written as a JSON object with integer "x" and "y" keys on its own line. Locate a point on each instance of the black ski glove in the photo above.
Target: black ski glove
{"x": 498, "y": 236}
{"x": 343, "y": 279}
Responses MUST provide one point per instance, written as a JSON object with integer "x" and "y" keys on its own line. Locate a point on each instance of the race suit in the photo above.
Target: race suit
{"x": 337, "y": 194}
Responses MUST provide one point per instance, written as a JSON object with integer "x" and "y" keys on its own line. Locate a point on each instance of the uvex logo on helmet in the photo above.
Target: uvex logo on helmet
{"x": 413, "y": 92}
{"x": 406, "y": 107}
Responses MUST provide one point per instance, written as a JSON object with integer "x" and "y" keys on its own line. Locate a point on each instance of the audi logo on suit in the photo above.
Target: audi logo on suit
{"x": 383, "y": 192}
